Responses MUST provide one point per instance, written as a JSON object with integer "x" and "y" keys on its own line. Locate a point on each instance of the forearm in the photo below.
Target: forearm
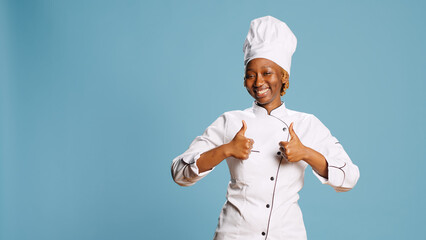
{"x": 213, "y": 157}
{"x": 317, "y": 161}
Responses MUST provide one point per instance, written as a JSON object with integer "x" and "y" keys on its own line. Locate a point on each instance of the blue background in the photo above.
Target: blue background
{"x": 98, "y": 97}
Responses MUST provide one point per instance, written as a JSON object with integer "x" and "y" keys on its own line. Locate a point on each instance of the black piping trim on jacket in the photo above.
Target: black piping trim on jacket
{"x": 344, "y": 174}
{"x": 275, "y": 184}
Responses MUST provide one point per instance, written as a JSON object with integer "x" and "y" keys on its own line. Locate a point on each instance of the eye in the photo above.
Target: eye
{"x": 249, "y": 76}
{"x": 267, "y": 73}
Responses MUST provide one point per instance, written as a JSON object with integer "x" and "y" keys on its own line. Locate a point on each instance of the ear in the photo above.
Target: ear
{"x": 285, "y": 81}
{"x": 285, "y": 77}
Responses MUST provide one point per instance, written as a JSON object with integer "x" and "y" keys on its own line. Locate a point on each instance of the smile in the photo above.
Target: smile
{"x": 262, "y": 93}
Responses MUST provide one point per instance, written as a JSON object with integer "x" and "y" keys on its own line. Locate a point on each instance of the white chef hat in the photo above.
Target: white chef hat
{"x": 272, "y": 39}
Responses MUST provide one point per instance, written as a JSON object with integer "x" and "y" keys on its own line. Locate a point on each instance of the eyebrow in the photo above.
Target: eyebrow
{"x": 263, "y": 67}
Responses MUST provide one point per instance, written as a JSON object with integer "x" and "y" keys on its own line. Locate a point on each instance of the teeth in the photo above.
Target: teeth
{"x": 263, "y": 91}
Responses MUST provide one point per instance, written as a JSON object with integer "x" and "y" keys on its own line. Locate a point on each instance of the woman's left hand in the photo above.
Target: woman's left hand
{"x": 294, "y": 150}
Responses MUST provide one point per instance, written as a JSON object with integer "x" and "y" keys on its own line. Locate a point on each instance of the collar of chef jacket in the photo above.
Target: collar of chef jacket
{"x": 278, "y": 112}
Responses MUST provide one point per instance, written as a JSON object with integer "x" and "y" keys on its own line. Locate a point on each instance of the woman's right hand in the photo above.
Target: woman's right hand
{"x": 240, "y": 146}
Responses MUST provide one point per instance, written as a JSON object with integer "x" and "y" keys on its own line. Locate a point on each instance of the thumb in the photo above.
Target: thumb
{"x": 243, "y": 129}
{"x": 292, "y": 132}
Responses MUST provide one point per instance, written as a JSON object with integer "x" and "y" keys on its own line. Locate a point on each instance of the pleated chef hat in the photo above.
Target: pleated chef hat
{"x": 272, "y": 39}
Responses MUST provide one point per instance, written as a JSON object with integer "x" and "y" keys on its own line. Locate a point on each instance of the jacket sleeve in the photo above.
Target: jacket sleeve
{"x": 342, "y": 173}
{"x": 184, "y": 167}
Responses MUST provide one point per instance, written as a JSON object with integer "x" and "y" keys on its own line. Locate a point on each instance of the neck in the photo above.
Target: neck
{"x": 270, "y": 106}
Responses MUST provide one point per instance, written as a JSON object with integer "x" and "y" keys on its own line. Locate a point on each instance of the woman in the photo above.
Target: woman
{"x": 267, "y": 147}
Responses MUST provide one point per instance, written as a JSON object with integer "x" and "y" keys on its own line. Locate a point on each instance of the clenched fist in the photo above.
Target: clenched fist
{"x": 240, "y": 146}
{"x": 294, "y": 150}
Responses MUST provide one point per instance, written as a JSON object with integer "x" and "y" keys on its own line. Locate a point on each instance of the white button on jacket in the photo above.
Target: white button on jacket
{"x": 263, "y": 190}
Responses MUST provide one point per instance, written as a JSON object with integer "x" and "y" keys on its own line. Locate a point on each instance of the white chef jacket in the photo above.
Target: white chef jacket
{"x": 261, "y": 201}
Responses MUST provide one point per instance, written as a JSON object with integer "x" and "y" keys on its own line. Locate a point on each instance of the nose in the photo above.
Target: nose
{"x": 259, "y": 81}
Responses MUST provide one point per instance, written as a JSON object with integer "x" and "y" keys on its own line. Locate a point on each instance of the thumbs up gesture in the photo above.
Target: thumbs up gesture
{"x": 294, "y": 150}
{"x": 240, "y": 146}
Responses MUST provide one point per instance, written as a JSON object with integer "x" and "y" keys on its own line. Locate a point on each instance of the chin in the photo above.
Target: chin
{"x": 262, "y": 102}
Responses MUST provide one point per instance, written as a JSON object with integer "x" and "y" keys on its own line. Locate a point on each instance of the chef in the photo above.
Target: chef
{"x": 267, "y": 147}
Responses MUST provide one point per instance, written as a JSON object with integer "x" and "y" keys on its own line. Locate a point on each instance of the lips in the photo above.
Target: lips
{"x": 261, "y": 92}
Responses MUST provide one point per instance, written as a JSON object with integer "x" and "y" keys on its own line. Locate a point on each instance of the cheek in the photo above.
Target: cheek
{"x": 248, "y": 85}
{"x": 277, "y": 85}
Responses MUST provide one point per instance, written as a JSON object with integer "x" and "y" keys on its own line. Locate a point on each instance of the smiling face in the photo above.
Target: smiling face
{"x": 264, "y": 80}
